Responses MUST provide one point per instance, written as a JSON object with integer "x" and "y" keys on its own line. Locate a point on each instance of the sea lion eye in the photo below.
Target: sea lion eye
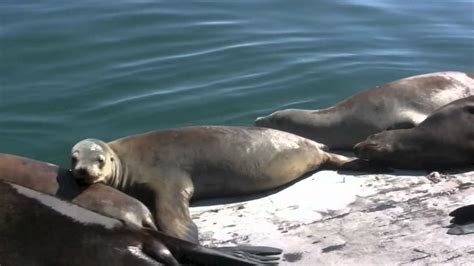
{"x": 279, "y": 120}
{"x": 73, "y": 159}
{"x": 101, "y": 160}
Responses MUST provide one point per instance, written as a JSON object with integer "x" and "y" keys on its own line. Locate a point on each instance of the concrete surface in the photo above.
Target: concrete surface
{"x": 343, "y": 219}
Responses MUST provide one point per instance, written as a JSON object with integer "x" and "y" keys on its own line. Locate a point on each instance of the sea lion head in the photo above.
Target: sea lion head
{"x": 92, "y": 161}
{"x": 394, "y": 147}
{"x": 373, "y": 148}
{"x": 287, "y": 120}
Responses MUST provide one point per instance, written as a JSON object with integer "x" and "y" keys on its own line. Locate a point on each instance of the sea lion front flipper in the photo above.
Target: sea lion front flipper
{"x": 407, "y": 119}
{"x": 172, "y": 206}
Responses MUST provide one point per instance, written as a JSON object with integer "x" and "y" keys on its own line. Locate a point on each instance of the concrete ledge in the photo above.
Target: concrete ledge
{"x": 333, "y": 219}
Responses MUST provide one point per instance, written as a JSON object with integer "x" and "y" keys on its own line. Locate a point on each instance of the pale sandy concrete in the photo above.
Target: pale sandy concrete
{"x": 342, "y": 219}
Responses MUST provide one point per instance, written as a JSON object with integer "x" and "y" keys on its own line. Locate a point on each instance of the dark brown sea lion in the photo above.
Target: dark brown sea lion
{"x": 164, "y": 169}
{"x": 39, "y": 229}
{"x": 444, "y": 140}
{"x": 400, "y": 104}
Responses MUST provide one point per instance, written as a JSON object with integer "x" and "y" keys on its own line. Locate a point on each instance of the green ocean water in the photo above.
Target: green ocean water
{"x": 106, "y": 69}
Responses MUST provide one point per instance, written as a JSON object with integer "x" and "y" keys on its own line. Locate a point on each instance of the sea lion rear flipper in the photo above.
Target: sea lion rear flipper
{"x": 159, "y": 252}
{"x": 259, "y": 254}
{"x": 339, "y": 162}
{"x": 172, "y": 207}
{"x": 258, "y": 250}
{"x": 186, "y": 252}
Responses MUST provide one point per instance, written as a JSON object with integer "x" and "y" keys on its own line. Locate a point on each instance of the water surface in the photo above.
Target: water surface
{"x": 107, "y": 69}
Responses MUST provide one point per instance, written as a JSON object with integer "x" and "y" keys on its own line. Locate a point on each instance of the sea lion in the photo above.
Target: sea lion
{"x": 50, "y": 179}
{"x": 164, "y": 169}
{"x": 400, "y": 104}
{"x": 444, "y": 140}
{"x": 39, "y": 229}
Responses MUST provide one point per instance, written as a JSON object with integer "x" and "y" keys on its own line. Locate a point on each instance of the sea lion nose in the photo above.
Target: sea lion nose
{"x": 258, "y": 120}
{"x": 80, "y": 172}
{"x": 357, "y": 148}
{"x": 361, "y": 149}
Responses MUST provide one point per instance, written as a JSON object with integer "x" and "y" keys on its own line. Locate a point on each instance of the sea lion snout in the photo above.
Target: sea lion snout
{"x": 367, "y": 149}
{"x": 276, "y": 119}
{"x": 82, "y": 175}
{"x": 260, "y": 121}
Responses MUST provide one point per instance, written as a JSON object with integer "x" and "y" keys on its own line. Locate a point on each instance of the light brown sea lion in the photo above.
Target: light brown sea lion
{"x": 445, "y": 139}
{"x": 164, "y": 169}
{"x": 399, "y": 104}
{"x": 42, "y": 230}
{"x": 50, "y": 179}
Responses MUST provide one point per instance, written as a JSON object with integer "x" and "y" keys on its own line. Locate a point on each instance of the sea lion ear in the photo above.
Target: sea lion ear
{"x": 111, "y": 159}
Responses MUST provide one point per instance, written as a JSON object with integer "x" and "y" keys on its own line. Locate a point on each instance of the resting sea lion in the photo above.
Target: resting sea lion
{"x": 444, "y": 139}
{"x": 39, "y": 229}
{"x": 52, "y": 180}
{"x": 164, "y": 169}
{"x": 400, "y": 104}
